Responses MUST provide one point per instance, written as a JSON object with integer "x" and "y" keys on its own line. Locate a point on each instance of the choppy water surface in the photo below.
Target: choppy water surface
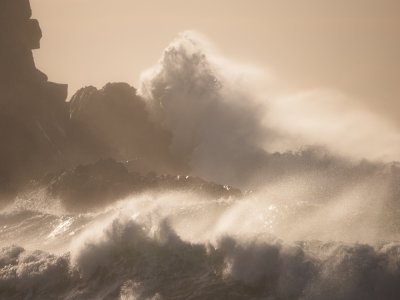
{"x": 184, "y": 246}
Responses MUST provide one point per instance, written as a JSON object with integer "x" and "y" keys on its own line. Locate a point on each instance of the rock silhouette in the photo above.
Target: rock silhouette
{"x": 33, "y": 111}
{"x": 118, "y": 124}
{"x": 95, "y": 185}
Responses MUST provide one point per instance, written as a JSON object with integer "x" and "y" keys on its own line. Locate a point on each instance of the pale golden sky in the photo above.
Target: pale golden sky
{"x": 348, "y": 45}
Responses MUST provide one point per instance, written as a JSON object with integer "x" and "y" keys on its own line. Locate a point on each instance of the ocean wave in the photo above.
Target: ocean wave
{"x": 128, "y": 259}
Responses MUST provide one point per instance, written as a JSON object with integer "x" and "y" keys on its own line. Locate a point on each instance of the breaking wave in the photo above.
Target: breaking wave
{"x": 163, "y": 247}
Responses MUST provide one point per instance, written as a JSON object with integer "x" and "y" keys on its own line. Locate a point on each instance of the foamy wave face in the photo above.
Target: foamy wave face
{"x": 32, "y": 274}
{"x": 183, "y": 246}
{"x": 131, "y": 260}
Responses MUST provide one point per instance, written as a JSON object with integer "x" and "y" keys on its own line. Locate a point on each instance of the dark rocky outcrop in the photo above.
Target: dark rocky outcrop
{"x": 114, "y": 122}
{"x": 33, "y": 111}
{"x": 92, "y": 186}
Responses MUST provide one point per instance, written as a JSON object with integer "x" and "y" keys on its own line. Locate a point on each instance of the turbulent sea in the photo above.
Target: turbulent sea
{"x": 182, "y": 246}
{"x": 310, "y": 224}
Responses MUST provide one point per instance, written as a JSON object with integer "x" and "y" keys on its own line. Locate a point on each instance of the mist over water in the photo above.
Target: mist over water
{"x": 332, "y": 173}
{"x": 318, "y": 217}
{"x": 215, "y": 123}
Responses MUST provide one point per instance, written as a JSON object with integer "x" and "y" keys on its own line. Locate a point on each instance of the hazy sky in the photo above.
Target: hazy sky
{"x": 349, "y": 45}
